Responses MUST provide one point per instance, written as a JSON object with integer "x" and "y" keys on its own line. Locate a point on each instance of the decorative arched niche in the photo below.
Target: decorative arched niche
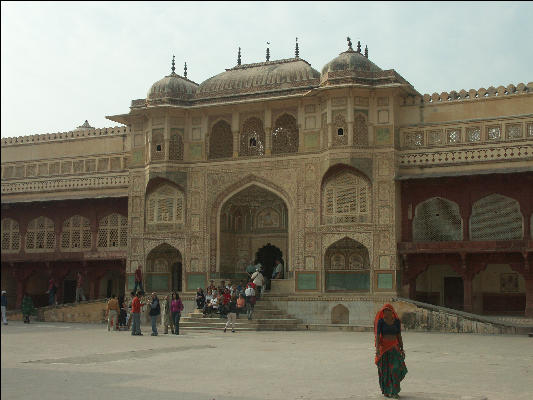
{"x": 347, "y": 266}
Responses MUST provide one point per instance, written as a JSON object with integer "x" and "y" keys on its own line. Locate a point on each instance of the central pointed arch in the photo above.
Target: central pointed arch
{"x": 217, "y": 218}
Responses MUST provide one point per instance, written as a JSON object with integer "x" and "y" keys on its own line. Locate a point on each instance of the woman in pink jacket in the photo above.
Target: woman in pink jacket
{"x": 176, "y": 307}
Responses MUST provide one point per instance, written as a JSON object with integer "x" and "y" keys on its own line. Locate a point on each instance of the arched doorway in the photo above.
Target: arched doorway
{"x": 347, "y": 266}
{"x": 251, "y": 219}
{"x": 163, "y": 269}
{"x": 267, "y": 256}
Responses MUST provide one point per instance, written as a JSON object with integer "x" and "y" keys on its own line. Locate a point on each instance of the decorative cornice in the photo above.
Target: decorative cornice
{"x": 59, "y": 136}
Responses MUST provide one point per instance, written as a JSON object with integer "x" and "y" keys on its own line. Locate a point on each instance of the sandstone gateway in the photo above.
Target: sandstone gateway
{"x": 366, "y": 189}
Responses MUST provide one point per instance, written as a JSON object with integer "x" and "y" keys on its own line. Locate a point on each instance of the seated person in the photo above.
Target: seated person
{"x": 241, "y": 304}
{"x": 278, "y": 271}
{"x": 200, "y": 298}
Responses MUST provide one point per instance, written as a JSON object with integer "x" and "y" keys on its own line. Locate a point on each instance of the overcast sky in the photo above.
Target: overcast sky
{"x": 63, "y": 63}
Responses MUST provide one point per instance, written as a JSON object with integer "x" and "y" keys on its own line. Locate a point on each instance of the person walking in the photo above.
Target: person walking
{"x": 259, "y": 280}
{"x": 112, "y": 313}
{"x": 250, "y": 300}
{"x": 27, "y": 307}
{"x": 390, "y": 357}
{"x": 4, "y": 307}
{"x": 176, "y": 307}
{"x": 79, "y": 288}
{"x": 138, "y": 279}
{"x": 232, "y": 314}
{"x": 136, "y": 314}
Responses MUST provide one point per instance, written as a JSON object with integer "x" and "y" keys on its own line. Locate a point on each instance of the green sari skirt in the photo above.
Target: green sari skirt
{"x": 391, "y": 371}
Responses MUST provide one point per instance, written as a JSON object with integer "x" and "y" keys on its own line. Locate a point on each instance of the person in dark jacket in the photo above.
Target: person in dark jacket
{"x": 155, "y": 310}
{"x": 27, "y": 308}
{"x": 200, "y": 299}
{"x": 232, "y": 314}
{"x": 4, "y": 307}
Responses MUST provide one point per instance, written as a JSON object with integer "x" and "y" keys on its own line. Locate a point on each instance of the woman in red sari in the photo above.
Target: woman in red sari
{"x": 389, "y": 351}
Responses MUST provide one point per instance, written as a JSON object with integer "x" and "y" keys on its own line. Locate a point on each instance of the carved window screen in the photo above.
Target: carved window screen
{"x": 158, "y": 146}
{"x": 165, "y": 205}
{"x": 76, "y": 234}
{"x": 340, "y": 132}
{"x": 113, "y": 232}
{"x": 40, "y": 235}
{"x": 10, "y": 235}
{"x": 285, "y": 135}
{"x": 496, "y": 217}
{"x": 175, "y": 147}
{"x": 221, "y": 141}
{"x": 437, "y": 220}
{"x": 346, "y": 199}
{"x": 360, "y": 130}
{"x": 252, "y": 141}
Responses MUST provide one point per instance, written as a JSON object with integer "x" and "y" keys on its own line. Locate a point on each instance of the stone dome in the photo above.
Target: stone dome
{"x": 260, "y": 77}
{"x": 349, "y": 66}
{"x": 172, "y": 86}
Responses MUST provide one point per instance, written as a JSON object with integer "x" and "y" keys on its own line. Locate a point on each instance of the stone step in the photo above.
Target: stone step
{"x": 257, "y": 314}
{"x": 207, "y": 321}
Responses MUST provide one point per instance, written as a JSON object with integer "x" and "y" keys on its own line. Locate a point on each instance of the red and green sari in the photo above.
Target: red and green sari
{"x": 389, "y": 359}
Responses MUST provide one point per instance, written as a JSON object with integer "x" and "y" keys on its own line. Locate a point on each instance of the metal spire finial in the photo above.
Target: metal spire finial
{"x": 349, "y": 43}
{"x": 297, "y": 50}
{"x": 185, "y": 70}
{"x": 268, "y": 52}
{"x": 173, "y": 65}
{"x": 366, "y": 51}
{"x": 358, "y": 46}
{"x": 239, "y": 57}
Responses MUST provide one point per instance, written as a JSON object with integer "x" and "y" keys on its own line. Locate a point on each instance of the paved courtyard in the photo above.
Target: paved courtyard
{"x": 83, "y": 361}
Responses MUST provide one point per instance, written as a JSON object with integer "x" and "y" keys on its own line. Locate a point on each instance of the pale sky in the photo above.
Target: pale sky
{"x": 63, "y": 63}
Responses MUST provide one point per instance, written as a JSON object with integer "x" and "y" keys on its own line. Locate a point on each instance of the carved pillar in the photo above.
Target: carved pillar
{"x": 529, "y": 297}
{"x": 412, "y": 288}
{"x": 268, "y": 131}
{"x": 467, "y": 284}
{"x": 350, "y": 119}
{"x": 465, "y": 215}
{"x": 21, "y": 275}
{"x": 235, "y": 134}
{"x": 329, "y": 122}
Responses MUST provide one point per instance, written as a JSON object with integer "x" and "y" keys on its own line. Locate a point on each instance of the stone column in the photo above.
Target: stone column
{"x": 329, "y": 123}
{"x": 412, "y": 288}
{"x": 350, "y": 119}
{"x": 268, "y": 131}
{"x": 529, "y": 297}
{"x": 465, "y": 215}
{"x": 467, "y": 284}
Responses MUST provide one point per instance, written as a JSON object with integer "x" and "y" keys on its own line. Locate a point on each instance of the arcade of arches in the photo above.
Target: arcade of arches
{"x": 249, "y": 220}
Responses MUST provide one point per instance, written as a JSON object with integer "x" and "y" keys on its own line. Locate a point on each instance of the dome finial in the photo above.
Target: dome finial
{"x": 297, "y": 50}
{"x": 366, "y": 51}
{"x": 173, "y": 65}
{"x": 268, "y": 52}
{"x": 239, "y": 57}
{"x": 349, "y": 43}
{"x": 358, "y": 46}
{"x": 185, "y": 70}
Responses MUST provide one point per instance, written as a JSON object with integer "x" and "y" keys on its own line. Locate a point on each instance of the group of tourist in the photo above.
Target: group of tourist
{"x": 121, "y": 315}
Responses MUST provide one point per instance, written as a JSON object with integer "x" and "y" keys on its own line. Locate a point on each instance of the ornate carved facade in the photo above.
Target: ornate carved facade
{"x": 319, "y": 165}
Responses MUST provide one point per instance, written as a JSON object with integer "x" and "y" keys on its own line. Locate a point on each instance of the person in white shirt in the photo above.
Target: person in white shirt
{"x": 250, "y": 301}
{"x": 259, "y": 281}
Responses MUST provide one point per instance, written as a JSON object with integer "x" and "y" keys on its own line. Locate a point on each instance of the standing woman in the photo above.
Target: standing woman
{"x": 176, "y": 306}
{"x": 389, "y": 351}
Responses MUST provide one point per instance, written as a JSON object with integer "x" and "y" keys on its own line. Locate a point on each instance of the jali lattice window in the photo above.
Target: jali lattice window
{"x": 360, "y": 127}
{"x": 158, "y": 146}
{"x": 10, "y": 235}
{"x": 113, "y": 231}
{"x": 221, "y": 141}
{"x": 473, "y": 134}
{"x": 496, "y": 217}
{"x": 285, "y": 135}
{"x": 414, "y": 139}
{"x": 252, "y": 141}
{"x": 454, "y": 135}
{"x": 175, "y": 147}
{"x": 165, "y": 205}
{"x": 40, "y": 235}
{"x": 514, "y": 131}
{"x": 76, "y": 234}
{"x": 340, "y": 132}
{"x": 346, "y": 199}
{"x": 494, "y": 133}
{"x": 530, "y": 130}
{"x": 437, "y": 220}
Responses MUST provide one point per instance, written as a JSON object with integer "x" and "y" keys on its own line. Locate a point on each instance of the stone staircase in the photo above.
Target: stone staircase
{"x": 266, "y": 317}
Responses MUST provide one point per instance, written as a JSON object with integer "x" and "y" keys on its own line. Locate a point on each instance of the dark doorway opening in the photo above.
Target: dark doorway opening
{"x": 69, "y": 291}
{"x": 109, "y": 288}
{"x": 176, "y": 277}
{"x": 453, "y": 292}
{"x": 267, "y": 256}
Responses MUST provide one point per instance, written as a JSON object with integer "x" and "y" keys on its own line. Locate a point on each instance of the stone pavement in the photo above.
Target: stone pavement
{"x": 84, "y": 361}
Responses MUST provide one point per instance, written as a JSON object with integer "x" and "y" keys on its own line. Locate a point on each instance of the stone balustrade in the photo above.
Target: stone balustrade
{"x": 75, "y": 134}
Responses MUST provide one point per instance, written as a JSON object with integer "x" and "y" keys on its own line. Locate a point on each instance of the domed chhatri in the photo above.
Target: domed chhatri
{"x": 173, "y": 86}
{"x": 350, "y": 63}
{"x": 266, "y": 76}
